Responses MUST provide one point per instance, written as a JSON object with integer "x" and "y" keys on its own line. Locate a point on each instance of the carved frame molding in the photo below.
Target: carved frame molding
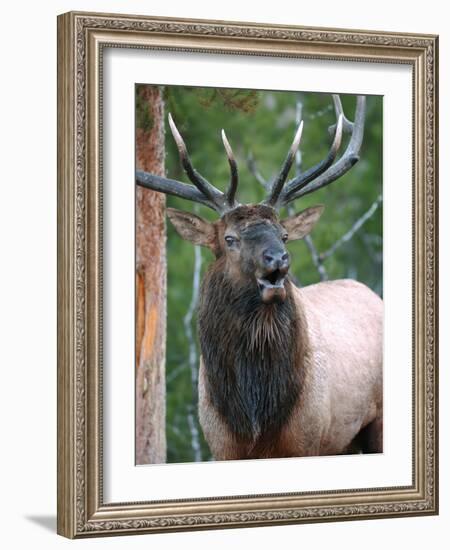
{"x": 81, "y": 37}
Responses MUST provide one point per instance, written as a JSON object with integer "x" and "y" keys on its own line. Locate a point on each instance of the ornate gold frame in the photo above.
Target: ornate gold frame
{"x": 81, "y": 37}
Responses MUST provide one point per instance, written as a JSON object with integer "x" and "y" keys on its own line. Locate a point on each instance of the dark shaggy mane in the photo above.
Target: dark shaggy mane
{"x": 250, "y": 352}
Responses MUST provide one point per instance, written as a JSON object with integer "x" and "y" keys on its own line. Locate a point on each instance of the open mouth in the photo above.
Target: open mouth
{"x": 274, "y": 279}
{"x": 271, "y": 286}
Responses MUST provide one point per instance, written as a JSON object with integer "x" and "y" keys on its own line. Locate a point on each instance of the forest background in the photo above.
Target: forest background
{"x": 260, "y": 125}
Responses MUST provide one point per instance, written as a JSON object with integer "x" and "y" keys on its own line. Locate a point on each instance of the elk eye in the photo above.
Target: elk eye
{"x": 230, "y": 240}
{"x": 284, "y": 238}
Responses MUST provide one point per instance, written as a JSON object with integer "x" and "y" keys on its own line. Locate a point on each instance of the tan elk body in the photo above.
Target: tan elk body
{"x": 285, "y": 371}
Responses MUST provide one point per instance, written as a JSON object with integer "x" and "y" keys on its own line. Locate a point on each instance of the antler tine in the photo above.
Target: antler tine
{"x": 254, "y": 170}
{"x": 279, "y": 182}
{"x": 203, "y": 185}
{"x": 301, "y": 181}
{"x": 234, "y": 178}
{"x": 338, "y": 109}
{"x": 203, "y": 192}
{"x": 348, "y": 159}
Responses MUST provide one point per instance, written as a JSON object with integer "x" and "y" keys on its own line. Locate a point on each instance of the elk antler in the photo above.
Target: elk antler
{"x": 280, "y": 193}
{"x": 278, "y": 183}
{"x": 202, "y": 191}
{"x": 325, "y": 171}
{"x": 234, "y": 179}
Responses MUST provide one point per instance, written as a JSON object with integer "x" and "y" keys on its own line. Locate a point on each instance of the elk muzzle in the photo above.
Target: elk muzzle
{"x": 274, "y": 266}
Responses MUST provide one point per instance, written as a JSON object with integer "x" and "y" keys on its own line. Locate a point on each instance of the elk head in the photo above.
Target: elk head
{"x": 251, "y": 240}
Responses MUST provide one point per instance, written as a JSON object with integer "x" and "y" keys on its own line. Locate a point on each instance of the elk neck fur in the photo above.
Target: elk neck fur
{"x": 251, "y": 353}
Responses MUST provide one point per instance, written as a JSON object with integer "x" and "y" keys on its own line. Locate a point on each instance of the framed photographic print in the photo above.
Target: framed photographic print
{"x": 247, "y": 284}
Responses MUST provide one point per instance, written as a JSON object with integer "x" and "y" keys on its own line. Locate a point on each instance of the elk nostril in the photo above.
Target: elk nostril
{"x": 268, "y": 258}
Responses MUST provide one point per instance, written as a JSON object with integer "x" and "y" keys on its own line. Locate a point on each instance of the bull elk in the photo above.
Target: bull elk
{"x": 285, "y": 371}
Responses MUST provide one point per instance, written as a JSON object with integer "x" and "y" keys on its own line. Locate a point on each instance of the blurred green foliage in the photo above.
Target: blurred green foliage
{"x": 262, "y": 123}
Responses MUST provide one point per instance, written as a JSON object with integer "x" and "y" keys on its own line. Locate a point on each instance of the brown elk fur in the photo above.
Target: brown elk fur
{"x": 250, "y": 349}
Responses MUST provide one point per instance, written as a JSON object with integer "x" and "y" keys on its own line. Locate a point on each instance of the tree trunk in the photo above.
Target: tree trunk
{"x": 150, "y": 282}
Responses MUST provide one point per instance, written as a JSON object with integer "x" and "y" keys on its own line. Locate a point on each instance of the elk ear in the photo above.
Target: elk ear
{"x": 299, "y": 225}
{"x": 192, "y": 228}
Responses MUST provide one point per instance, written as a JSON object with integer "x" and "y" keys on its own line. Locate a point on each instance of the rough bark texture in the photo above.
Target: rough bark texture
{"x": 150, "y": 282}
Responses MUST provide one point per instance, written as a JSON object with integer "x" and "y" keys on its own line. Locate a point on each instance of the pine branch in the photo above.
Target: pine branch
{"x": 251, "y": 164}
{"x": 355, "y": 227}
{"x": 316, "y": 258}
